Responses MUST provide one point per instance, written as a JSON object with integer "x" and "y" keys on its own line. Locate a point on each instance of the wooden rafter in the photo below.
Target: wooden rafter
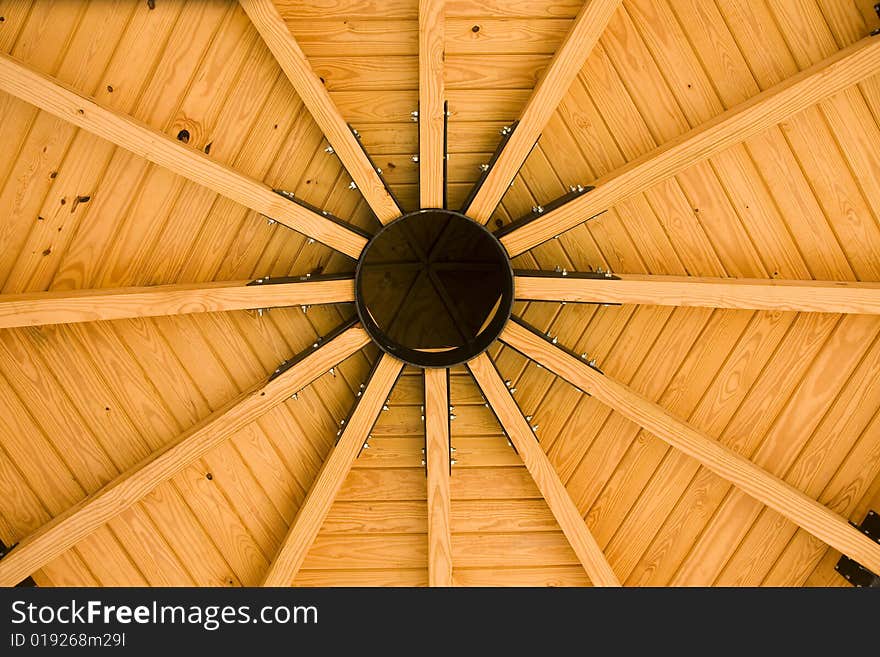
{"x": 554, "y": 84}
{"x": 753, "y": 294}
{"x": 56, "y": 98}
{"x": 437, "y": 464}
{"x": 272, "y": 28}
{"x": 40, "y": 308}
{"x": 432, "y": 41}
{"x": 768, "y": 489}
{"x": 523, "y": 438}
{"x": 766, "y": 109}
{"x": 65, "y": 530}
{"x": 313, "y": 511}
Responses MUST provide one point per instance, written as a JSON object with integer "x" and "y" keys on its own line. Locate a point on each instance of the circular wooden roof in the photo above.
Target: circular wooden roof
{"x": 686, "y": 393}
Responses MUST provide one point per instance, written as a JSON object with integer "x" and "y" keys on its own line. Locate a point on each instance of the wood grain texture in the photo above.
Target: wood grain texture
{"x": 539, "y": 466}
{"x": 308, "y": 85}
{"x": 432, "y": 41}
{"x": 764, "y": 110}
{"x": 65, "y": 102}
{"x": 549, "y": 91}
{"x": 324, "y": 490}
{"x": 40, "y": 308}
{"x": 437, "y": 456}
{"x": 753, "y": 480}
{"x": 66, "y": 529}
{"x": 752, "y": 294}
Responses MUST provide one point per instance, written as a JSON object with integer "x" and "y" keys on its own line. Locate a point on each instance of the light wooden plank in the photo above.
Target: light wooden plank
{"x": 314, "y": 509}
{"x": 437, "y": 462}
{"x": 746, "y": 293}
{"x": 56, "y": 98}
{"x": 745, "y": 120}
{"x": 40, "y": 308}
{"x": 66, "y": 529}
{"x": 271, "y": 26}
{"x": 753, "y": 480}
{"x": 432, "y": 41}
{"x": 548, "y": 93}
{"x": 539, "y": 466}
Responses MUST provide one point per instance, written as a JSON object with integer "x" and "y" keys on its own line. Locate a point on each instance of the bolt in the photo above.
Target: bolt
{"x": 305, "y": 309}
{"x": 451, "y": 417}
{"x": 484, "y": 167}
{"x": 535, "y": 427}
{"x": 295, "y": 396}
{"x": 310, "y": 241}
{"x": 379, "y": 170}
{"x": 259, "y": 312}
{"x": 423, "y": 461}
{"x": 592, "y": 363}
{"x": 414, "y": 115}
{"x": 452, "y": 461}
{"x": 352, "y": 185}
{"x": 329, "y": 149}
{"x": 385, "y": 407}
{"x": 512, "y": 390}
{"x": 505, "y": 130}
{"x": 415, "y": 158}
{"x": 270, "y": 221}
{"x": 366, "y": 446}
{"x": 332, "y": 371}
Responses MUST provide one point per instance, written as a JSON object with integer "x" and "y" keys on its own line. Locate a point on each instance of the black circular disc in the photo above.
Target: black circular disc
{"x": 434, "y": 288}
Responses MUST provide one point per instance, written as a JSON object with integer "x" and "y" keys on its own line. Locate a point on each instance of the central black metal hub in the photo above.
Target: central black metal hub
{"x": 434, "y": 288}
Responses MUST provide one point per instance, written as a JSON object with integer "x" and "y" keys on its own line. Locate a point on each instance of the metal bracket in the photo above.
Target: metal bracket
{"x": 591, "y": 364}
{"x": 280, "y": 280}
{"x": 324, "y": 213}
{"x": 378, "y": 170}
{"x": 564, "y": 273}
{"x": 855, "y": 573}
{"x": 287, "y": 364}
{"x": 506, "y": 134}
{"x": 445, "y": 154}
{"x": 538, "y": 211}
{"x": 4, "y": 550}
{"x": 358, "y": 395}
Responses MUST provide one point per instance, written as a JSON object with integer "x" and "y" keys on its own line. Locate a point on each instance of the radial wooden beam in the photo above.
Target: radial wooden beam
{"x": 271, "y": 26}
{"x": 523, "y": 438}
{"x": 65, "y": 530}
{"x": 437, "y": 464}
{"x": 63, "y": 101}
{"x": 40, "y": 308}
{"x": 336, "y": 467}
{"x": 553, "y": 85}
{"x": 768, "y": 489}
{"x": 747, "y": 293}
{"x": 842, "y": 70}
{"x": 432, "y": 111}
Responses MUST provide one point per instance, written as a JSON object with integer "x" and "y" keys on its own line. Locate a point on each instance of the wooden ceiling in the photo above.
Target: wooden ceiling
{"x": 798, "y": 393}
